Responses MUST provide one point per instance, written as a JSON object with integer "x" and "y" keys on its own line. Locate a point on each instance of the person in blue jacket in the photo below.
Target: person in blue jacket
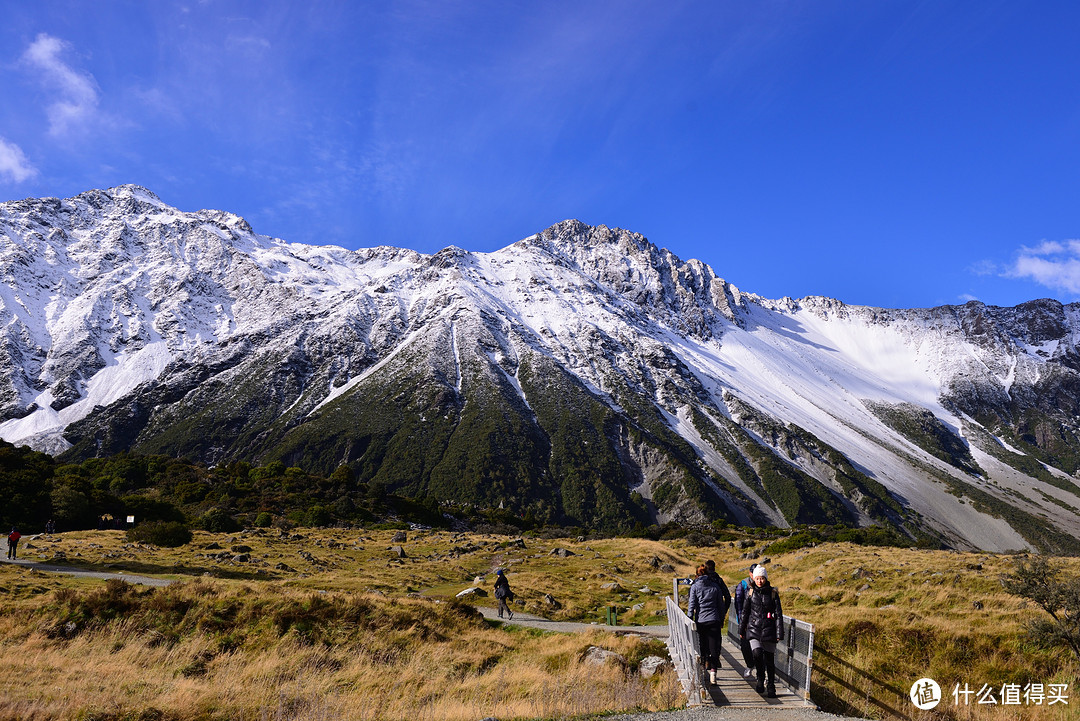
{"x": 709, "y": 602}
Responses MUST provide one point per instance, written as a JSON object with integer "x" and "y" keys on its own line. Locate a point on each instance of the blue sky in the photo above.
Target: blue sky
{"x": 883, "y": 152}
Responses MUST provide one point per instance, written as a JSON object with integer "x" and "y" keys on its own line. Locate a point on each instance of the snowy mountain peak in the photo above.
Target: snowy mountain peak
{"x": 583, "y": 375}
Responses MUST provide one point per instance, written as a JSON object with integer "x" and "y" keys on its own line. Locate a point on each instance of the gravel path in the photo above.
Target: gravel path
{"x": 530, "y": 621}
{"x": 51, "y": 568}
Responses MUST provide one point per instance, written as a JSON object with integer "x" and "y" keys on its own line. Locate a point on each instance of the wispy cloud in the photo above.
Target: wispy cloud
{"x": 1054, "y": 264}
{"x": 13, "y": 163}
{"x": 75, "y": 92}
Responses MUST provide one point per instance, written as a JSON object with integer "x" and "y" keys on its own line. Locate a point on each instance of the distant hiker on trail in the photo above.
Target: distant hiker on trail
{"x": 763, "y": 624}
{"x": 13, "y": 543}
{"x": 709, "y": 601}
{"x": 503, "y": 594}
{"x": 744, "y": 643}
{"x": 50, "y": 527}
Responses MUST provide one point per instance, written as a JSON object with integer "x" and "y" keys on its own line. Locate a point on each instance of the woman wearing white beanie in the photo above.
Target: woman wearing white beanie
{"x": 763, "y": 624}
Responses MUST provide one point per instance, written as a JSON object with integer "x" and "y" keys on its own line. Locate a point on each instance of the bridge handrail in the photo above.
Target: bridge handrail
{"x": 683, "y": 646}
{"x": 794, "y": 652}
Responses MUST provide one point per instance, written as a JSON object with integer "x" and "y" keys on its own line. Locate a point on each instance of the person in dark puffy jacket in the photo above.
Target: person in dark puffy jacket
{"x": 763, "y": 624}
{"x": 744, "y": 643}
{"x": 709, "y": 601}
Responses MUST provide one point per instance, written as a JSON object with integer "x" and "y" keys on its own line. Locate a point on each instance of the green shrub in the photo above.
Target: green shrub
{"x": 169, "y": 534}
{"x": 216, "y": 520}
{"x": 264, "y": 520}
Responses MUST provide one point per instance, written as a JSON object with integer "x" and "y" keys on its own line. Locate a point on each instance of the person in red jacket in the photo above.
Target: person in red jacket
{"x": 13, "y": 543}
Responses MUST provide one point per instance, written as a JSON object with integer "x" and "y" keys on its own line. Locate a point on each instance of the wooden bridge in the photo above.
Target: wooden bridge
{"x": 794, "y": 659}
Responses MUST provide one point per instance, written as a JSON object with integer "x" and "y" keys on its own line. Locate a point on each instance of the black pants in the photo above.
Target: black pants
{"x": 709, "y": 636}
{"x": 747, "y": 653}
{"x": 766, "y": 664}
{"x": 12, "y": 548}
{"x": 504, "y": 607}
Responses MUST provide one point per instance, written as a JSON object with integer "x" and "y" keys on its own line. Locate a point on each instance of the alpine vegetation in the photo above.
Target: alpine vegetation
{"x": 581, "y": 376}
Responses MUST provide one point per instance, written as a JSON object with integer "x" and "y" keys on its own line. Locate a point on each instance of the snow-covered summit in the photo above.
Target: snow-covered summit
{"x": 128, "y": 324}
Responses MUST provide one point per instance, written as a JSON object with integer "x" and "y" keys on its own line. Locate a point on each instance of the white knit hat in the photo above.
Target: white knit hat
{"x": 760, "y": 571}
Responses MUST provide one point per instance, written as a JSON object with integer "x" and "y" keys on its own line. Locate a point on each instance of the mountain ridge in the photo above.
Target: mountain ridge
{"x": 582, "y": 374}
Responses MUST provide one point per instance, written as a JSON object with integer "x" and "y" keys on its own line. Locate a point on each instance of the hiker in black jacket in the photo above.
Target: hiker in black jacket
{"x": 740, "y": 598}
{"x": 503, "y": 594}
{"x": 763, "y": 624}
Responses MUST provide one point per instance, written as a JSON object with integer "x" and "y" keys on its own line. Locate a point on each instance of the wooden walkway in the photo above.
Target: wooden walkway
{"x": 733, "y": 690}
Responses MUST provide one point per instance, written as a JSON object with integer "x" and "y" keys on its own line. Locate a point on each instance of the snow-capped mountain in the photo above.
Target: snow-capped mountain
{"x": 581, "y": 375}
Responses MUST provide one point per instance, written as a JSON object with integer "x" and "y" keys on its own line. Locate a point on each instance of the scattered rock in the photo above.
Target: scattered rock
{"x": 745, "y": 543}
{"x": 551, "y": 602}
{"x": 561, "y": 553}
{"x": 397, "y": 551}
{"x": 654, "y": 562}
{"x": 212, "y": 546}
{"x": 864, "y": 587}
{"x": 977, "y": 605}
{"x": 399, "y": 537}
{"x": 612, "y": 587}
{"x": 667, "y": 568}
{"x": 638, "y": 607}
{"x": 473, "y": 591}
{"x": 652, "y": 665}
{"x": 596, "y": 656}
{"x": 240, "y": 548}
{"x": 241, "y": 558}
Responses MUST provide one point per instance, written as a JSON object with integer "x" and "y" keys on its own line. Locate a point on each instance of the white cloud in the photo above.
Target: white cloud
{"x": 13, "y": 163}
{"x": 76, "y": 92}
{"x": 1053, "y": 264}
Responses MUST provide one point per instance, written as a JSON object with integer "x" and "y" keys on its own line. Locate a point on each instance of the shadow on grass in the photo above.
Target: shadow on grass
{"x": 883, "y": 696}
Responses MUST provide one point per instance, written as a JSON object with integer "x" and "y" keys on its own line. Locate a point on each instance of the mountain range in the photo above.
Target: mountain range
{"x": 581, "y": 376}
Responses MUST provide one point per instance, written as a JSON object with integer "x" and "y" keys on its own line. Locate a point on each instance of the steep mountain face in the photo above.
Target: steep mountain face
{"x": 581, "y": 375}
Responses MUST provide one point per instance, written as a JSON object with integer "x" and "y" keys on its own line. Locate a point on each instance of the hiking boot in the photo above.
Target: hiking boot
{"x": 748, "y": 674}
{"x": 712, "y": 676}
{"x": 760, "y": 686}
{"x": 770, "y": 691}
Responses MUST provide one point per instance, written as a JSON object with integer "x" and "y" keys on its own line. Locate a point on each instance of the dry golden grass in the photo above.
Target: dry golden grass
{"x": 884, "y": 618}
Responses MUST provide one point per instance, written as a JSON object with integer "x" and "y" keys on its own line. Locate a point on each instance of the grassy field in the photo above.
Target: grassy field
{"x": 331, "y": 624}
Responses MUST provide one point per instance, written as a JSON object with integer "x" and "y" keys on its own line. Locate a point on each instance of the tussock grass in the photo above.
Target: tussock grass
{"x": 227, "y": 650}
{"x": 886, "y": 617}
{"x": 347, "y": 630}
